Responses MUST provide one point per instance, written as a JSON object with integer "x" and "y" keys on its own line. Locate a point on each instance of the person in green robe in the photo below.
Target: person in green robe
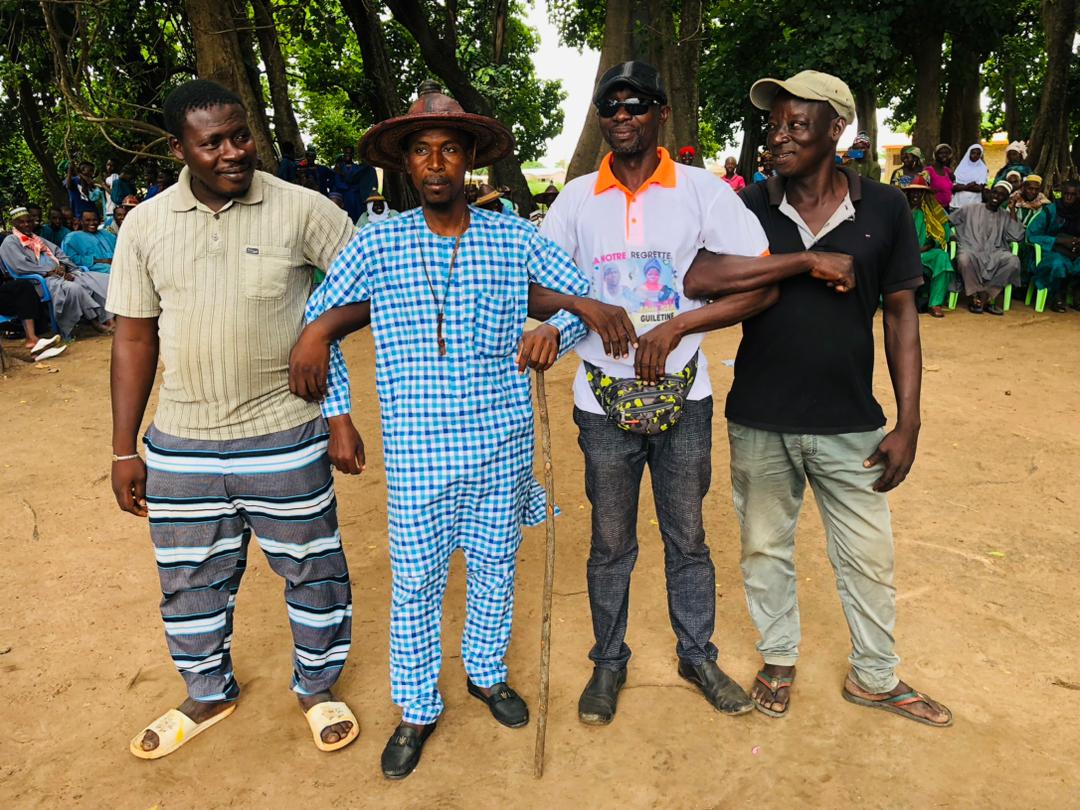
{"x": 1056, "y": 229}
{"x": 932, "y": 227}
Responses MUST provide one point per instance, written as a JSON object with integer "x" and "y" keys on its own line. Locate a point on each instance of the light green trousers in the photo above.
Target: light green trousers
{"x": 769, "y": 472}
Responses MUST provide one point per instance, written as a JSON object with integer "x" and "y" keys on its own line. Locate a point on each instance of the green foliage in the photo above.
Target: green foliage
{"x": 1021, "y": 60}
{"x": 20, "y": 175}
{"x": 329, "y": 68}
{"x": 580, "y": 23}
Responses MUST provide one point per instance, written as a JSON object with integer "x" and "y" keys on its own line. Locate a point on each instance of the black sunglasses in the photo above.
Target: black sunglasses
{"x": 635, "y": 106}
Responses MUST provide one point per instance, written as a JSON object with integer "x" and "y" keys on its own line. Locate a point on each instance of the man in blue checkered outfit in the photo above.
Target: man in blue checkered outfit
{"x": 445, "y": 289}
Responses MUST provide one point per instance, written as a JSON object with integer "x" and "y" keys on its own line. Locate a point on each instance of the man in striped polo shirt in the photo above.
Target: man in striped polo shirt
{"x": 213, "y": 275}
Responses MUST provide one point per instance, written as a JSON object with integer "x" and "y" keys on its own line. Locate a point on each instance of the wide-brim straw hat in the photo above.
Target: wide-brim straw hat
{"x": 487, "y": 195}
{"x": 917, "y": 184}
{"x": 381, "y": 145}
{"x": 547, "y": 196}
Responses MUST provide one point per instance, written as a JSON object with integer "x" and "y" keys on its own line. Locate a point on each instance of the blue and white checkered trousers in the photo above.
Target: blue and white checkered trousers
{"x": 457, "y": 430}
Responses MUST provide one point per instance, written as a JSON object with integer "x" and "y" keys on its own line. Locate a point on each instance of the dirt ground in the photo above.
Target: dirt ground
{"x": 988, "y": 567}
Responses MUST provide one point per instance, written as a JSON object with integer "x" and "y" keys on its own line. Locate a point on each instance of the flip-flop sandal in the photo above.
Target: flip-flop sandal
{"x": 897, "y": 703}
{"x": 323, "y": 715}
{"x": 173, "y": 729}
{"x": 45, "y": 343}
{"x": 774, "y": 684}
{"x": 48, "y": 354}
{"x": 935, "y": 312}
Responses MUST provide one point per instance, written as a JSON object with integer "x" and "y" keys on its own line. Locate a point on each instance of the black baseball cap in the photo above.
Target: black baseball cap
{"x": 641, "y": 76}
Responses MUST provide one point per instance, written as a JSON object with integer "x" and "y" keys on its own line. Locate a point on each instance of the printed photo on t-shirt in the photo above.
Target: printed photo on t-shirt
{"x": 642, "y": 282}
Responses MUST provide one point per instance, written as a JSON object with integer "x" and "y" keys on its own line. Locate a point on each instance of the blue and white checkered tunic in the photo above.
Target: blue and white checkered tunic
{"x": 457, "y": 430}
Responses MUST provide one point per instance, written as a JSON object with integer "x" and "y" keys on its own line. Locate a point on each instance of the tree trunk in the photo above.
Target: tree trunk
{"x": 34, "y": 134}
{"x": 499, "y": 26}
{"x": 753, "y": 127}
{"x": 380, "y": 89}
{"x": 962, "y": 118}
{"x": 21, "y": 97}
{"x": 678, "y": 56}
{"x": 1012, "y": 114}
{"x": 866, "y": 115}
{"x": 440, "y": 57}
{"x": 616, "y": 48}
{"x": 1048, "y": 149}
{"x": 285, "y": 127}
{"x": 246, "y": 43}
{"x": 646, "y": 29}
{"x": 927, "y": 57}
{"x": 219, "y": 58}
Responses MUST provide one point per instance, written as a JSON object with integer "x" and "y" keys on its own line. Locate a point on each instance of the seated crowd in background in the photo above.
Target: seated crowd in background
{"x": 1008, "y": 230}
{"x": 77, "y": 295}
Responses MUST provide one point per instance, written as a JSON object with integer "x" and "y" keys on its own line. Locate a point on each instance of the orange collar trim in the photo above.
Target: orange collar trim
{"x": 663, "y": 176}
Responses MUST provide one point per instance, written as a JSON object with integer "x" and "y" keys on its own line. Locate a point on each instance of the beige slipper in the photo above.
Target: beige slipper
{"x": 174, "y": 728}
{"x": 322, "y": 715}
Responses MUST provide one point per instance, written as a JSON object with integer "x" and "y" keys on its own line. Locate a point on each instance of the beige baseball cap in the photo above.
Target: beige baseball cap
{"x": 811, "y": 85}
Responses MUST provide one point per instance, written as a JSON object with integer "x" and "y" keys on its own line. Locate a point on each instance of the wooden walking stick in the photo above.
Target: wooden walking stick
{"x": 549, "y": 578}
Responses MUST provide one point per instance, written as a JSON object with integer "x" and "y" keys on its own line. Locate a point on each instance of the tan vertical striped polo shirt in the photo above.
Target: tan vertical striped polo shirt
{"x": 229, "y": 290}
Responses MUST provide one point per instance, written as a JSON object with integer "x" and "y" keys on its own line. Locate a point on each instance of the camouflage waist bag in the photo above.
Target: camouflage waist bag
{"x": 637, "y": 407}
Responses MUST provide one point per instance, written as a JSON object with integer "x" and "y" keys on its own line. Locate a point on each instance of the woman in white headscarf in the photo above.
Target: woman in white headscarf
{"x": 971, "y": 177}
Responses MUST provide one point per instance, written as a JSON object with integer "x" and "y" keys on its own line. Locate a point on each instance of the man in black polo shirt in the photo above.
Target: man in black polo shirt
{"x": 802, "y": 405}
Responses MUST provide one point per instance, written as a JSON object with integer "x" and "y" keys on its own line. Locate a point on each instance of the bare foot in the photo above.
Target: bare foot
{"x": 198, "y": 711}
{"x": 923, "y": 707}
{"x": 330, "y": 734}
{"x": 770, "y": 697}
{"x": 104, "y": 327}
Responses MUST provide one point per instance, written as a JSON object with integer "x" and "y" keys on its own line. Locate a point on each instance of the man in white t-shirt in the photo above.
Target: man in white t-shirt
{"x": 634, "y": 227}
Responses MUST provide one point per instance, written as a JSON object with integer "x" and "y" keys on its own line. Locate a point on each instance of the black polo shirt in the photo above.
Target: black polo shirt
{"x": 806, "y": 364}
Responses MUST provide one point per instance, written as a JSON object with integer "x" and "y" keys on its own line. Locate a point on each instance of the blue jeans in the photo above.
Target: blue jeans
{"x": 680, "y": 463}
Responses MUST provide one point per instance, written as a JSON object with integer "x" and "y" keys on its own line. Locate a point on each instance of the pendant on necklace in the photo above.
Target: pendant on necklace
{"x": 442, "y": 341}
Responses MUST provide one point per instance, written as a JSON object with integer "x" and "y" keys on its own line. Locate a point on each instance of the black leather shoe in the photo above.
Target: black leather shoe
{"x": 726, "y": 696}
{"x": 505, "y": 704}
{"x": 596, "y": 707}
{"x": 402, "y": 752}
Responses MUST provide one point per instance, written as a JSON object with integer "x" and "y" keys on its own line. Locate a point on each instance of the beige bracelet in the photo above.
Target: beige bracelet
{"x": 117, "y": 458}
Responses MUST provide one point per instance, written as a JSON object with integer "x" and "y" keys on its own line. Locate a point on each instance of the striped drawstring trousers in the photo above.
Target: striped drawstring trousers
{"x": 205, "y": 499}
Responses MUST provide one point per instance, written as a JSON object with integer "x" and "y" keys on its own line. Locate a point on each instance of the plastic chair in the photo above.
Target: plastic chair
{"x": 1039, "y": 295}
{"x": 46, "y": 298}
{"x": 1006, "y": 303}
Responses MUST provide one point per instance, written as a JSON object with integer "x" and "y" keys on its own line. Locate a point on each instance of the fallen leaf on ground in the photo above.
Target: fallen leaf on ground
{"x": 1067, "y": 685}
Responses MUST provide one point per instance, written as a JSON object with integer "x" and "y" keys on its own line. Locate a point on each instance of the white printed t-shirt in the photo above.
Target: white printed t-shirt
{"x": 636, "y": 247}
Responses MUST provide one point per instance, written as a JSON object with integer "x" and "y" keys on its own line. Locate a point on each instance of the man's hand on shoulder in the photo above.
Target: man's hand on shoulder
{"x": 346, "y": 448}
{"x": 539, "y": 348}
{"x": 837, "y": 270}
{"x": 309, "y": 362}
{"x": 611, "y": 323}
